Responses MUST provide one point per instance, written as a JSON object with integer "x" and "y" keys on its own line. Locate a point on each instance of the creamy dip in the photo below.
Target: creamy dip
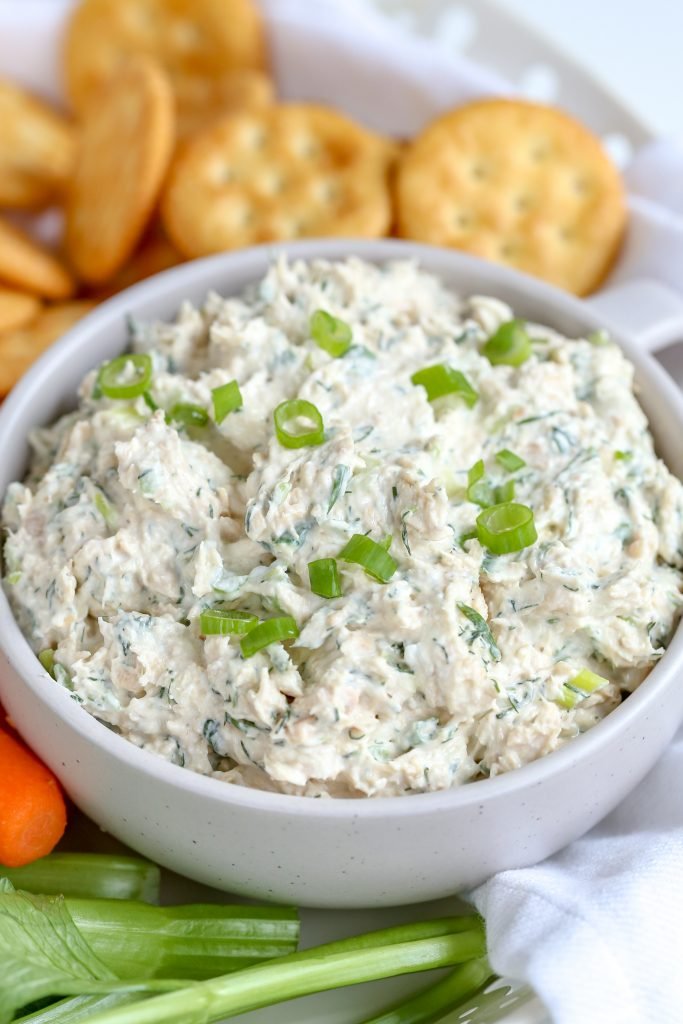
{"x": 465, "y": 663}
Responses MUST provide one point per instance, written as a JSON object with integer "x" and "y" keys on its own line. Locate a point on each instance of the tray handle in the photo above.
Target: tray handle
{"x": 643, "y": 309}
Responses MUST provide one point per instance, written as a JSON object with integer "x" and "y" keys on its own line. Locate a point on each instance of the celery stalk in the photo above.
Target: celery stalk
{"x": 400, "y": 933}
{"x": 88, "y": 876}
{"x": 298, "y": 975}
{"x": 194, "y": 941}
{"x": 75, "y": 1009}
{"x": 430, "y": 1005}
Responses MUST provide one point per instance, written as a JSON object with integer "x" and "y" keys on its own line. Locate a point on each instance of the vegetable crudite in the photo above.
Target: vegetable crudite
{"x": 91, "y": 953}
{"x": 349, "y": 534}
{"x": 32, "y": 809}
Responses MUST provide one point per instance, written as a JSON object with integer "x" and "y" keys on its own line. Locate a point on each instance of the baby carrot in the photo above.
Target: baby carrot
{"x": 32, "y": 810}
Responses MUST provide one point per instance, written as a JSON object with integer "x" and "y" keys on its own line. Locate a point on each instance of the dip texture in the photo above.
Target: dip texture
{"x": 465, "y": 663}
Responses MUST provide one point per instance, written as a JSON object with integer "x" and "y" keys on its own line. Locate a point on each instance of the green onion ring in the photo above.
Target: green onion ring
{"x": 294, "y": 409}
{"x": 510, "y": 460}
{"x": 479, "y": 490}
{"x": 373, "y": 557}
{"x": 440, "y": 380}
{"x": 226, "y": 399}
{"x": 330, "y": 333}
{"x": 507, "y": 527}
{"x": 109, "y": 378}
{"x": 188, "y": 414}
{"x": 324, "y": 577}
{"x": 510, "y": 345}
{"x": 226, "y": 622}
{"x": 268, "y": 632}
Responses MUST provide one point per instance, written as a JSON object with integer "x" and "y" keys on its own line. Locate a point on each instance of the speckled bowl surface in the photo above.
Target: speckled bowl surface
{"x": 329, "y": 853}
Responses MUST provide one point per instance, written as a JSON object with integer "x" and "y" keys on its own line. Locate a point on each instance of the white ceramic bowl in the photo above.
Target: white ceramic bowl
{"x": 330, "y": 853}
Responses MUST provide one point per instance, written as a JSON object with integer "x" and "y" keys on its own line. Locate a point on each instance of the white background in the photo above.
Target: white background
{"x": 634, "y": 46}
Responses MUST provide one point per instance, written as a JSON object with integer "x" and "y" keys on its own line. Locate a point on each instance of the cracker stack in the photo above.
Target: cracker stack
{"x": 178, "y": 148}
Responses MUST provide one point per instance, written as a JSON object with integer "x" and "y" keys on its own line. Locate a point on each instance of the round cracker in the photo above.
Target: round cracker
{"x": 293, "y": 170}
{"x": 27, "y": 265}
{"x": 18, "y": 349}
{"x": 125, "y": 146}
{"x": 36, "y": 149}
{"x": 17, "y": 309}
{"x": 517, "y": 183}
{"x": 187, "y": 37}
{"x": 201, "y": 99}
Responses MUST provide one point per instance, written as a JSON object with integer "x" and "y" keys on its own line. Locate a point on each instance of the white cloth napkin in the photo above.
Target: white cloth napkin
{"x": 597, "y": 930}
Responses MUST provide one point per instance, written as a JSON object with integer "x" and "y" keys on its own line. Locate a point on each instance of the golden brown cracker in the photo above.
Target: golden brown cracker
{"x": 187, "y": 37}
{"x": 18, "y": 349}
{"x": 518, "y": 183}
{"x": 27, "y": 265}
{"x": 17, "y": 309}
{"x": 201, "y": 99}
{"x": 36, "y": 149}
{"x": 293, "y": 170}
{"x": 125, "y": 145}
{"x": 154, "y": 254}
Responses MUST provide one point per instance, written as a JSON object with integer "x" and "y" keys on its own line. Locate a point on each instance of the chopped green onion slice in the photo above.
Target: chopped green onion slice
{"x": 47, "y": 660}
{"x": 479, "y": 490}
{"x": 109, "y": 380}
{"x": 149, "y": 401}
{"x": 104, "y": 508}
{"x": 373, "y": 557}
{"x": 188, "y": 414}
{"x": 509, "y": 460}
{"x": 439, "y": 380}
{"x": 330, "y": 334}
{"x": 599, "y": 337}
{"x": 581, "y": 685}
{"x": 588, "y": 681}
{"x": 298, "y": 408}
{"x": 507, "y": 527}
{"x": 269, "y": 632}
{"x": 504, "y": 492}
{"x": 324, "y": 576}
{"x": 623, "y": 456}
{"x": 226, "y": 399}
{"x": 464, "y": 537}
{"x": 230, "y": 622}
{"x": 509, "y": 345}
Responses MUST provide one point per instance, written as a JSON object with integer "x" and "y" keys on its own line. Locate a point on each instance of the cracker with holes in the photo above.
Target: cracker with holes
{"x": 36, "y": 149}
{"x": 188, "y": 38}
{"x": 125, "y": 147}
{"x": 517, "y": 183}
{"x": 291, "y": 171}
{"x": 18, "y": 349}
{"x": 201, "y": 99}
{"x": 26, "y": 265}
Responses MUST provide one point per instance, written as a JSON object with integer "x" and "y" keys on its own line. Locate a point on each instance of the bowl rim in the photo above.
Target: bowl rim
{"x": 20, "y": 656}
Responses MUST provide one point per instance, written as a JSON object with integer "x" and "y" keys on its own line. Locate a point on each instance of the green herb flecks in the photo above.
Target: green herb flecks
{"x": 480, "y": 631}
{"x": 340, "y": 478}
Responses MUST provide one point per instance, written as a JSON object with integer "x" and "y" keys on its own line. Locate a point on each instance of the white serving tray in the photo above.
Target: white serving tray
{"x": 492, "y": 37}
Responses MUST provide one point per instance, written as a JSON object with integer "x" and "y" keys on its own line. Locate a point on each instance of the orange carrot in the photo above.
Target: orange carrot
{"x": 32, "y": 810}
